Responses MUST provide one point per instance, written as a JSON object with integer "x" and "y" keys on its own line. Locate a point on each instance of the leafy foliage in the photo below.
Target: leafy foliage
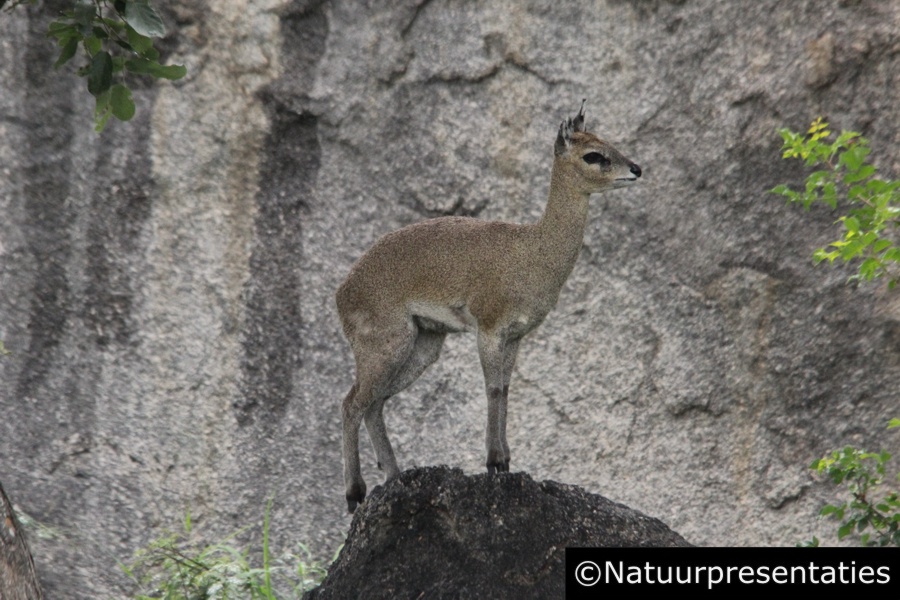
{"x": 115, "y": 37}
{"x": 844, "y": 177}
{"x": 874, "y": 203}
{"x": 174, "y": 568}
{"x": 871, "y": 505}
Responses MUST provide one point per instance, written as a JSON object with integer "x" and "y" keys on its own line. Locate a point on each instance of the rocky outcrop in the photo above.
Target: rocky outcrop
{"x": 436, "y": 533}
{"x": 166, "y": 288}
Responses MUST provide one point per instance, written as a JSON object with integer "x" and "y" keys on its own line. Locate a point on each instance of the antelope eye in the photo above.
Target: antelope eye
{"x": 595, "y": 158}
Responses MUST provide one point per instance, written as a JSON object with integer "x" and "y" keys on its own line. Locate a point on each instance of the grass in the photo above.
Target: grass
{"x": 175, "y": 568}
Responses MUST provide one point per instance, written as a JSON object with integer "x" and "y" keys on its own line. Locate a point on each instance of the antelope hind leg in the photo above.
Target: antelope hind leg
{"x": 376, "y": 366}
{"x": 426, "y": 350}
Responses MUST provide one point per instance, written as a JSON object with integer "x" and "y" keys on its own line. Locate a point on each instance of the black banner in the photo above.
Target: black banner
{"x": 597, "y": 572}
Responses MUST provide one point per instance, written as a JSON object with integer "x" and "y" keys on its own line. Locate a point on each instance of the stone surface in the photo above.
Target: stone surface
{"x": 166, "y": 288}
{"x": 436, "y": 533}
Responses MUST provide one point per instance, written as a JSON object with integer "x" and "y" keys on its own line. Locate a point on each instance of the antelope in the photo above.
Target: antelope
{"x": 453, "y": 274}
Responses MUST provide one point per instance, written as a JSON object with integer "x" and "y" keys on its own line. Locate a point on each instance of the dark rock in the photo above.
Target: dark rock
{"x": 437, "y": 533}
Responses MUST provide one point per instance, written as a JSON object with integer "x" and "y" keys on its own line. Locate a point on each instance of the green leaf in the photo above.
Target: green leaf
{"x": 855, "y": 156}
{"x": 99, "y": 76}
{"x": 60, "y": 28}
{"x": 67, "y": 52}
{"x": 829, "y": 194}
{"x": 860, "y": 174}
{"x": 124, "y": 45}
{"x": 855, "y": 192}
{"x": 851, "y": 249}
{"x": 878, "y": 186}
{"x": 63, "y": 32}
{"x": 144, "y": 19}
{"x": 788, "y": 136}
{"x": 845, "y": 138}
{"x": 171, "y": 72}
{"x": 869, "y": 268}
{"x": 83, "y": 15}
{"x": 892, "y": 255}
{"x": 93, "y": 45}
{"x": 845, "y": 530}
{"x": 816, "y": 179}
{"x": 151, "y": 53}
{"x": 142, "y": 66}
{"x": 118, "y": 64}
{"x": 114, "y": 24}
{"x": 101, "y": 111}
{"x": 820, "y": 255}
{"x": 121, "y": 103}
{"x": 813, "y": 543}
{"x": 779, "y": 189}
{"x": 139, "y": 43}
{"x": 881, "y": 245}
{"x": 893, "y": 423}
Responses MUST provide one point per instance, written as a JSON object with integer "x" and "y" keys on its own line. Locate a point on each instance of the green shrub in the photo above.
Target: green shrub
{"x": 844, "y": 177}
{"x": 115, "y": 39}
{"x": 872, "y": 511}
{"x": 175, "y": 568}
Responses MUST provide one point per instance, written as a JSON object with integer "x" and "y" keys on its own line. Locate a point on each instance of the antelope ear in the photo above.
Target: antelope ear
{"x": 564, "y": 137}
{"x": 578, "y": 122}
{"x": 567, "y": 128}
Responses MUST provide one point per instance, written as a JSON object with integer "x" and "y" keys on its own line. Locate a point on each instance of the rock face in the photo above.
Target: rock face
{"x": 166, "y": 288}
{"x": 435, "y": 533}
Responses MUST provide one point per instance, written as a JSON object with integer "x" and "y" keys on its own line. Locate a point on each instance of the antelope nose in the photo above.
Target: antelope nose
{"x": 636, "y": 169}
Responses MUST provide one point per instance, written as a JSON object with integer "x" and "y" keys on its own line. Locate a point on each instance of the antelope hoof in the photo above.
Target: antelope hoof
{"x": 355, "y": 496}
{"x": 501, "y": 466}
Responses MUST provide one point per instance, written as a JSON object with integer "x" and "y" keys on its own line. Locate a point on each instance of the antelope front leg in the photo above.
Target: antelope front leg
{"x": 491, "y": 350}
{"x": 510, "y": 352}
{"x": 497, "y": 457}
